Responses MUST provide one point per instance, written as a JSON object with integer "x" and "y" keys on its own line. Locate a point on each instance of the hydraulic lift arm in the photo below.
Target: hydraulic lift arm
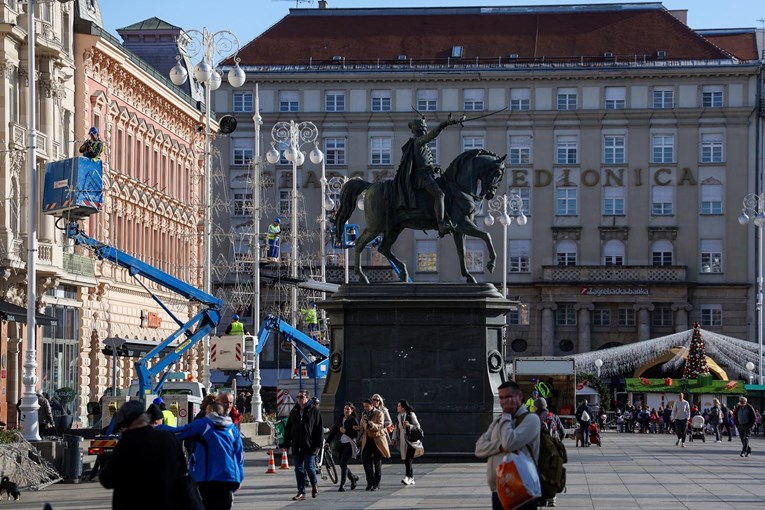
{"x": 312, "y": 352}
{"x": 201, "y": 325}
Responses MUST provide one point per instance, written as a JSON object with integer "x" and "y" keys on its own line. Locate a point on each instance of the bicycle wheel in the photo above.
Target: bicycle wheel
{"x": 329, "y": 465}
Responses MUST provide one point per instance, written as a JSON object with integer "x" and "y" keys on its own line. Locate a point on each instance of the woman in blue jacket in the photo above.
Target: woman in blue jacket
{"x": 216, "y": 461}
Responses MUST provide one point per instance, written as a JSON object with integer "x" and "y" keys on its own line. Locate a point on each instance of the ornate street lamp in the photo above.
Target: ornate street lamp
{"x": 194, "y": 43}
{"x": 294, "y": 136}
{"x": 330, "y": 194}
{"x": 506, "y": 208}
{"x": 754, "y": 205}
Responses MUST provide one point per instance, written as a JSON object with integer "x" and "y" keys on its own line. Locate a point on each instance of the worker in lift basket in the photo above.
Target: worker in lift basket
{"x": 274, "y": 229}
{"x": 93, "y": 146}
{"x": 236, "y": 327}
{"x": 311, "y": 320}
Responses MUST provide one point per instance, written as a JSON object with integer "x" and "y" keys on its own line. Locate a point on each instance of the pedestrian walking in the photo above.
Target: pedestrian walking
{"x": 506, "y": 435}
{"x": 379, "y": 403}
{"x": 715, "y": 419}
{"x": 725, "y": 425}
{"x": 408, "y": 437}
{"x": 144, "y": 457}
{"x": 346, "y": 430}
{"x": 584, "y": 418}
{"x": 681, "y": 411}
{"x": 374, "y": 444}
{"x": 550, "y": 422}
{"x": 216, "y": 458}
{"x": 304, "y": 433}
{"x": 744, "y": 423}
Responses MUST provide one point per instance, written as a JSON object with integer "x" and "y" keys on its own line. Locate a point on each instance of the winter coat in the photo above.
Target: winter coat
{"x": 144, "y": 459}
{"x": 504, "y": 436}
{"x": 217, "y": 454}
{"x": 304, "y": 431}
{"x": 745, "y": 415}
{"x": 400, "y": 435}
{"x": 347, "y": 424}
{"x": 373, "y": 427}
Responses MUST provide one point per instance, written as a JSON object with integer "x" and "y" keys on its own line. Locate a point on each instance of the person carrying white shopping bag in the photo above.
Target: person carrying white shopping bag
{"x": 509, "y": 435}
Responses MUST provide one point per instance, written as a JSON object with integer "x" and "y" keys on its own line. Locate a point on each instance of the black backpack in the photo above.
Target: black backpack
{"x": 552, "y": 456}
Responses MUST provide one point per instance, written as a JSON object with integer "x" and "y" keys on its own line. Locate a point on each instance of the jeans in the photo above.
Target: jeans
{"x": 585, "y": 428}
{"x": 346, "y": 453}
{"x": 717, "y": 432}
{"x": 743, "y": 432}
{"x": 408, "y": 461}
{"x": 304, "y": 463}
{"x": 680, "y": 427}
{"x": 273, "y": 248}
{"x": 372, "y": 460}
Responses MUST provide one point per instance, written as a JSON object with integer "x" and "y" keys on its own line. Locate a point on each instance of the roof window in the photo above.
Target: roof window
{"x": 661, "y": 54}
{"x": 456, "y": 51}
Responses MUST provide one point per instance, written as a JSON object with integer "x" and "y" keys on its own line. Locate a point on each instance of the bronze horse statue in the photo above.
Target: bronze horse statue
{"x": 459, "y": 183}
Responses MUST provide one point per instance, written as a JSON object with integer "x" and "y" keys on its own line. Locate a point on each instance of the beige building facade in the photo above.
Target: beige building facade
{"x": 632, "y": 153}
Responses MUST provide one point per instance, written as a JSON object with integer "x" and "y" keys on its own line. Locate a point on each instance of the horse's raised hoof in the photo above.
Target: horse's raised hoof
{"x": 490, "y": 266}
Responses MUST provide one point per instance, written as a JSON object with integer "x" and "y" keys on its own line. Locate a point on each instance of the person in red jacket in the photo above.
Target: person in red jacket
{"x": 227, "y": 401}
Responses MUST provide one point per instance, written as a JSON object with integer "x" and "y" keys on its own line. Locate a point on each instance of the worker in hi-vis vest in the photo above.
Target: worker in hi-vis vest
{"x": 274, "y": 229}
{"x": 311, "y": 320}
{"x": 236, "y": 327}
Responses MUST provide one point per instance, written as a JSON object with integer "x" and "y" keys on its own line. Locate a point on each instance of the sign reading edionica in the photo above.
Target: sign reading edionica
{"x": 613, "y": 291}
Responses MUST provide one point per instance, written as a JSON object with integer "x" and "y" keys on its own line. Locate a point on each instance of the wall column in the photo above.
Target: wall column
{"x": 644, "y": 320}
{"x": 681, "y": 316}
{"x": 548, "y": 328}
{"x": 584, "y": 326}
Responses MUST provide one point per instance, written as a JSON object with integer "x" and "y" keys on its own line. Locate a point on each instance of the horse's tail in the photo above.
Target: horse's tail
{"x": 348, "y": 196}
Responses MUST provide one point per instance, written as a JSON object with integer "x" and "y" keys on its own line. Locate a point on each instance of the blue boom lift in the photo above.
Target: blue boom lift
{"x": 73, "y": 191}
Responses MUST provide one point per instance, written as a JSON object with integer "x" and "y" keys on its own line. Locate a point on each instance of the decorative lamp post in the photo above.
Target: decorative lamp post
{"x": 257, "y": 401}
{"x": 330, "y": 194}
{"x": 294, "y": 136}
{"x": 750, "y": 369}
{"x": 506, "y": 208}
{"x": 754, "y": 205}
{"x": 598, "y": 364}
{"x": 29, "y": 405}
{"x": 195, "y": 43}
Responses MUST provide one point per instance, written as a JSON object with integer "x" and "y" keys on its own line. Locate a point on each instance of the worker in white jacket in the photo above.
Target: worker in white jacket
{"x": 505, "y": 435}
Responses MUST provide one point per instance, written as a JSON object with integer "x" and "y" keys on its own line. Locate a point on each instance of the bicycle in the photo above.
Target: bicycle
{"x": 324, "y": 460}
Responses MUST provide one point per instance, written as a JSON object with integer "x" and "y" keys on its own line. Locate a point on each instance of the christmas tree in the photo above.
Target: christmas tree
{"x": 696, "y": 361}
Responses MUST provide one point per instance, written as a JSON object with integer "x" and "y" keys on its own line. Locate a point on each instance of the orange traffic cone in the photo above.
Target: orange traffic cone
{"x": 271, "y": 465}
{"x": 285, "y": 461}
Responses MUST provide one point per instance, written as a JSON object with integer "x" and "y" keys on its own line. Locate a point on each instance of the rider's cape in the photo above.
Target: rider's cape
{"x": 402, "y": 182}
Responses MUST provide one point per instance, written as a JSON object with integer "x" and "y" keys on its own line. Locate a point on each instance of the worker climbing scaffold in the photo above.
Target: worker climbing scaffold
{"x": 311, "y": 319}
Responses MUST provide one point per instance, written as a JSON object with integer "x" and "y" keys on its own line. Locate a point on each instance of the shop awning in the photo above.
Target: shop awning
{"x": 13, "y": 313}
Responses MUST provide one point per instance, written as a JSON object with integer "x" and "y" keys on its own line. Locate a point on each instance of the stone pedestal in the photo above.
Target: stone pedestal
{"x": 438, "y": 346}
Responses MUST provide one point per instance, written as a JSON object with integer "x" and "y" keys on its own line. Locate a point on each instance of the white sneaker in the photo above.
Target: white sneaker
{"x": 411, "y": 481}
{"x": 718, "y": 441}
{"x": 683, "y": 445}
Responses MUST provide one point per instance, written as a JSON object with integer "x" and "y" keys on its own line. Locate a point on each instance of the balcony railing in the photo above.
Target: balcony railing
{"x": 613, "y": 274}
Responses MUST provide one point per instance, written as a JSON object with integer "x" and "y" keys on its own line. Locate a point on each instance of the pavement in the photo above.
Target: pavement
{"x": 630, "y": 471}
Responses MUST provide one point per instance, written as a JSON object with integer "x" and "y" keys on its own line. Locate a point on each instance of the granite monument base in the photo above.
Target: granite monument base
{"x": 438, "y": 346}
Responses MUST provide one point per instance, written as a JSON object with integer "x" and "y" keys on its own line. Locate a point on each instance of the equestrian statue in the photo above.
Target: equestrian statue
{"x": 422, "y": 197}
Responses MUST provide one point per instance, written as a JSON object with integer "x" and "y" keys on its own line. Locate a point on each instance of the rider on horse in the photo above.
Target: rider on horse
{"x": 418, "y": 171}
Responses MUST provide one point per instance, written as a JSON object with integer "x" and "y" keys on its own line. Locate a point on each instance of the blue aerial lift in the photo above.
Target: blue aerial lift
{"x": 73, "y": 191}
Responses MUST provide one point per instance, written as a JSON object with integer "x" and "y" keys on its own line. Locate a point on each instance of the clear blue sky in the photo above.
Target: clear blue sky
{"x": 249, "y": 18}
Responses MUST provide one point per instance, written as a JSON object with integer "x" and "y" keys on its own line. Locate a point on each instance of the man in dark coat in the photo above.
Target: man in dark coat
{"x": 144, "y": 459}
{"x": 744, "y": 422}
{"x": 417, "y": 170}
{"x": 304, "y": 434}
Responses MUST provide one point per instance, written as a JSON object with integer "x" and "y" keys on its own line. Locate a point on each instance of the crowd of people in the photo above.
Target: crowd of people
{"x": 368, "y": 434}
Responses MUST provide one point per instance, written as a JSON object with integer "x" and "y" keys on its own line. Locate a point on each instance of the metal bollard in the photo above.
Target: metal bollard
{"x": 72, "y": 471}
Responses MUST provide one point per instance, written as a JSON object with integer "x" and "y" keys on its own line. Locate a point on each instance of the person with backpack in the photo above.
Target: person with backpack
{"x": 551, "y": 424}
{"x": 584, "y": 417}
{"x": 715, "y": 418}
{"x": 515, "y": 430}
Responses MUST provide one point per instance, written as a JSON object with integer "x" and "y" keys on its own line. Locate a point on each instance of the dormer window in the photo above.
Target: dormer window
{"x": 456, "y": 51}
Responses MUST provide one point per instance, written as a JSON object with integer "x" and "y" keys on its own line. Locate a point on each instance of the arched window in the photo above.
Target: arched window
{"x": 662, "y": 253}
{"x": 613, "y": 253}
{"x": 565, "y": 253}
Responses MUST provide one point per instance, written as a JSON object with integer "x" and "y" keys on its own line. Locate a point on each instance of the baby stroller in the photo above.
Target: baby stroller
{"x": 595, "y": 434}
{"x": 696, "y": 430}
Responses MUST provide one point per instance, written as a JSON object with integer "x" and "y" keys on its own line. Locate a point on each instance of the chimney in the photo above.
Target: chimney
{"x": 681, "y": 14}
{"x": 323, "y": 4}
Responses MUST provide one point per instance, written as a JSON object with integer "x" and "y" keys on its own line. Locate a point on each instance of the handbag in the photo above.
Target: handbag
{"x": 585, "y": 416}
{"x": 413, "y": 435}
{"x": 517, "y": 481}
{"x": 187, "y": 494}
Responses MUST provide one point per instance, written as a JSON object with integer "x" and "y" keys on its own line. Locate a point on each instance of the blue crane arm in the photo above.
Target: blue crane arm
{"x": 304, "y": 343}
{"x": 205, "y": 321}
